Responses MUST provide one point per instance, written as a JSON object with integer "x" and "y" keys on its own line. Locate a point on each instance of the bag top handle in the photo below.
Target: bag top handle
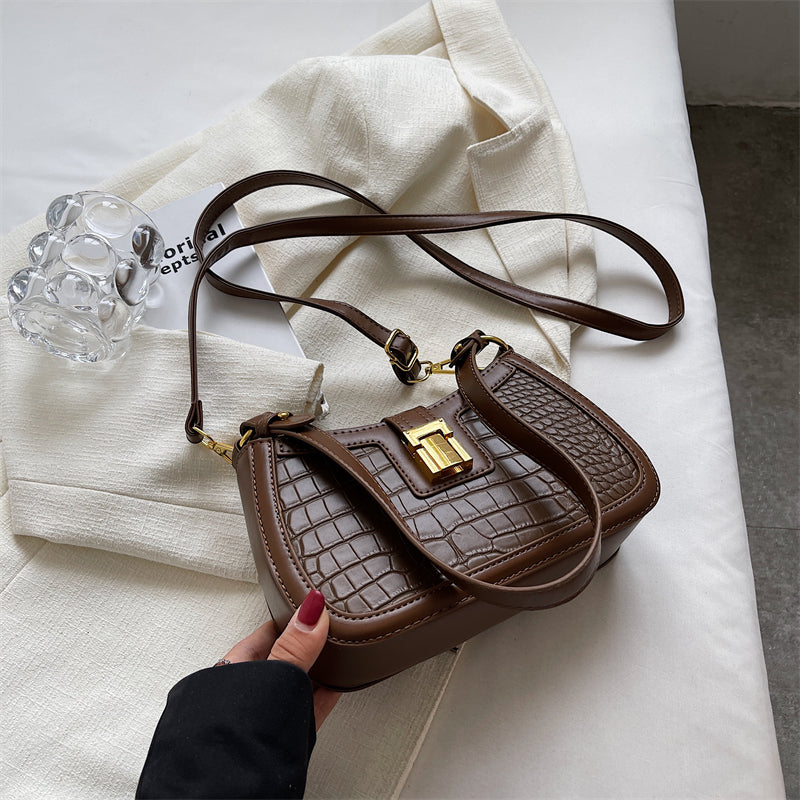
{"x": 402, "y": 353}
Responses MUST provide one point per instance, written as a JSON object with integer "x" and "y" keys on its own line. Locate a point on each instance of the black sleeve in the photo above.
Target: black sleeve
{"x": 235, "y": 731}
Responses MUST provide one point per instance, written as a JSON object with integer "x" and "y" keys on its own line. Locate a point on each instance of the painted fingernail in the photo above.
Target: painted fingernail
{"x": 311, "y": 609}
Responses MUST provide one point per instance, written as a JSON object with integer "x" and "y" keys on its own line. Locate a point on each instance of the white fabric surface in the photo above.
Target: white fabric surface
{"x": 652, "y": 683}
{"x": 459, "y": 123}
{"x": 110, "y": 468}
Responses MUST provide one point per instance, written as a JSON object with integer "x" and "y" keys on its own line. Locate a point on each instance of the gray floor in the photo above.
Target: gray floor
{"x": 747, "y": 160}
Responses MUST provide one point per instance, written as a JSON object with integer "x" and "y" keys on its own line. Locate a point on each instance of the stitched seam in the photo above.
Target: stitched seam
{"x": 276, "y": 571}
{"x": 526, "y": 570}
{"x": 462, "y": 601}
{"x": 405, "y": 627}
{"x": 366, "y": 318}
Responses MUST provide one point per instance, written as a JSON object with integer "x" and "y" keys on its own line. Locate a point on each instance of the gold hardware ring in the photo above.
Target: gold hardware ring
{"x": 393, "y": 359}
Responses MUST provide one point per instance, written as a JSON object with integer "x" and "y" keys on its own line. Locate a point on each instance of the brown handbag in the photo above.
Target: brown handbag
{"x": 430, "y": 526}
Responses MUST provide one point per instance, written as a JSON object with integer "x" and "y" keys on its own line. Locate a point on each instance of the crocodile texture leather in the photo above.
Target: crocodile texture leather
{"x": 341, "y": 539}
{"x": 504, "y": 525}
{"x": 410, "y": 567}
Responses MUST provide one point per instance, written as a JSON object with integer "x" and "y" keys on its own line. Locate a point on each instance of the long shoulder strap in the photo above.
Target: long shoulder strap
{"x": 401, "y": 350}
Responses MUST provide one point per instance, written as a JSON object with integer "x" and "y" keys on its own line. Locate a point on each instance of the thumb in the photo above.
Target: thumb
{"x": 304, "y": 637}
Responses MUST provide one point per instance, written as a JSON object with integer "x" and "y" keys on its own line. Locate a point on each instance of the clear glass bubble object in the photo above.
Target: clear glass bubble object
{"x": 88, "y": 277}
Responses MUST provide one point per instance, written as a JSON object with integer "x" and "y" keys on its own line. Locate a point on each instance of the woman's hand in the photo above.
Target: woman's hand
{"x": 299, "y": 644}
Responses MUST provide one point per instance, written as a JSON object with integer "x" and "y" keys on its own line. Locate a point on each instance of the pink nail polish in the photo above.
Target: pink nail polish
{"x": 311, "y": 608}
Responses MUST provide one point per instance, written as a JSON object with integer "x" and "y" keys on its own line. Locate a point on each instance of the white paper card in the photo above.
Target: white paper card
{"x": 257, "y": 322}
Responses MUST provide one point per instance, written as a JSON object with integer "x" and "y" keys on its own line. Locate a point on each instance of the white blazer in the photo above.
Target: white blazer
{"x": 422, "y": 118}
{"x": 441, "y": 112}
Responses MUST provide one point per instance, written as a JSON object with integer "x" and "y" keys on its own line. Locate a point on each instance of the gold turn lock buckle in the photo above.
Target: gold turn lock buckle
{"x": 434, "y": 447}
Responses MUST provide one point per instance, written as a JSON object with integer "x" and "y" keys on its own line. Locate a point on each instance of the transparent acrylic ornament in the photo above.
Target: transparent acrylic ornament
{"x": 88, "y": 277}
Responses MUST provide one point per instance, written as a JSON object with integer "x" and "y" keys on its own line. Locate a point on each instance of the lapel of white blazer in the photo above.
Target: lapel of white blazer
{"x": 529, "y": 166}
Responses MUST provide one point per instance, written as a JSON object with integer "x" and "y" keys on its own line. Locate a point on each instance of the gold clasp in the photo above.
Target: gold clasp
{"x": 434, "y": 447}
{"x": 220, "y": 448}
{"x": 439, "y": 368}
{"x": 432, "y": 368}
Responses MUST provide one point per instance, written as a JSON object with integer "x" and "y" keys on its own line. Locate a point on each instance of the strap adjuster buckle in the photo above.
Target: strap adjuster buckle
{"x": 412, "y": 360}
